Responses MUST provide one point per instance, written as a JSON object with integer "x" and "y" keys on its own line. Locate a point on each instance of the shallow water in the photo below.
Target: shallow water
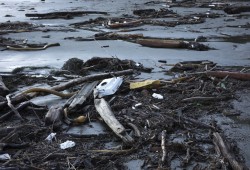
{"x": 228, "y": 52}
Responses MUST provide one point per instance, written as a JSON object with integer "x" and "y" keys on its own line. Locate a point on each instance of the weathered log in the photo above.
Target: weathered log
{"x": 124, "y": 24}
{"x": 236, "y": 9}
{"x": 28, "y": 48}
{"x": 221, "y": 144}
{"x": 72, "y": 13}
{"x": 83, "y": 94}
{"x": 115, "y": 36}
{"x": 3, "y": 89}
{"x": 54, "y": 116}
{"x": 160, "y": 43}
{"x": 164, "y": 43}
{"x": 234, "y": 75}
{"x": 108, "y": 116}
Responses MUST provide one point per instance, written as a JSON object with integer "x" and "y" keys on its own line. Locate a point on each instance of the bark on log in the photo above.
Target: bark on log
{"x": 234, "y": 75}
{"x": 220, "y": 143}
{"x": 107, "y": 115}
{"x": 3, "y": 89}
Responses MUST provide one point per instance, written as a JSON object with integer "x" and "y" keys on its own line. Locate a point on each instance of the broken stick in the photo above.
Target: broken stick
{"x": 3, "y": 89}
{"x": 13, "y": 108}
{"x": 220, "y": 143}
{"x": 163, "y": 146}
{"x": 83, "y": 94}
{"x": 108, "y": 116}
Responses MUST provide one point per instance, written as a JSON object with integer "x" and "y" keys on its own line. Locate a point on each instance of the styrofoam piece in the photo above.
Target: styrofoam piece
{"x": 67, "y": 144}
{"x": 5, "y": 156}
{"x": 109, "y": 86}
{"x": 51, "y": 137}
{"x": 157, "y": 96}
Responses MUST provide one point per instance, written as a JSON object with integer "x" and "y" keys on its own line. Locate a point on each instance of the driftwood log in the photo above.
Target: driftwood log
{"x": 28, "y": 48}
{"x": 72, "y": 13}
{"x": 159, "y": 43}
{"x": 124, "y": 24}
{"x": 164, "y": 43}
{"x": 3, "y": 89}
{"x": 108, "y": 116}
{"x": 225, "y": 152}
{"x": 237, "y": 9}
{"x": 234, "y": 75}
{"x": 83, "y": 94}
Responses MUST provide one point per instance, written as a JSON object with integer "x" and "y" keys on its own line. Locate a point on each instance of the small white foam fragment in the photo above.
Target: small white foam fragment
{"x": 5, "y": 156}
{"x": 51, "y": 137}
{"x": 138, "y": 104}
{"x": 67, "y": 144}
{"x": 157, "y": 96}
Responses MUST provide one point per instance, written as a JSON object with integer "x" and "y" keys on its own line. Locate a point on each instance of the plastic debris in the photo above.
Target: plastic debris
{"x": 5, "y": 156}
{"x": 51, "y": 137}
{"x": 67, "y": 144}
{"x": 136, "y": 105}
{"x": 157, "y": 96}
{"x": 108, "y": 86}
{"x": 145, "y": 84}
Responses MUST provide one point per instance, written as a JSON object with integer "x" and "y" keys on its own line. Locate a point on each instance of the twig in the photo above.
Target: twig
{"x": 205, "y": 99}
{"x": 13, "y": 108}
{"x": 163, "y": 146}
{"x": 137, "y": 131}
{"x": 113, "y": 151}
{"x": 187, "y": 157}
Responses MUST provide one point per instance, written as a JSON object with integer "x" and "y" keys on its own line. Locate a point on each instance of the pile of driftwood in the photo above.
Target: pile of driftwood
{"x": 156, "y": 122}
